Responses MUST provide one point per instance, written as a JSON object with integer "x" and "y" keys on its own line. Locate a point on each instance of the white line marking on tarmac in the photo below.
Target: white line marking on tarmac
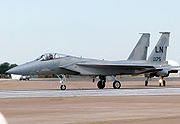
{"x": 72, "y": 93}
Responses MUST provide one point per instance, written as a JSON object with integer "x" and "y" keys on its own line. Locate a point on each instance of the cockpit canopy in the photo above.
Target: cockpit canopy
{"x": 50, "y": 56}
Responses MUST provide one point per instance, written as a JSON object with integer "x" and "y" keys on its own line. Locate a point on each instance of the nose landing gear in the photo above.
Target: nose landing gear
{"x": 62, "y": 78}
{"x": 63, "y": 87}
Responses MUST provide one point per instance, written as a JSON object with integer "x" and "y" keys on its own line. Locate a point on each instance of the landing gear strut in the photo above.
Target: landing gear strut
{"x": 62, "y": 78}
{"x": 146, "y": 81}
{"x": 101, "y": 84}
{"x": 164, "y": 83}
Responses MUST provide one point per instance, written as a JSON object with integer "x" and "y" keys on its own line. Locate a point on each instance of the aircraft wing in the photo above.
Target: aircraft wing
{"x": 112, "y": 69}
{"x": 118, "y": 66}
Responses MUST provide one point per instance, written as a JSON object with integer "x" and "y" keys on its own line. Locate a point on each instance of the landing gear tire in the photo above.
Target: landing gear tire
{"x": 63, "y": 87}
{"x": 116, "y": 84}
{"x": 164, "y": 83}
{"x": 146, "y": 83}
{"x": 101, "y": 84}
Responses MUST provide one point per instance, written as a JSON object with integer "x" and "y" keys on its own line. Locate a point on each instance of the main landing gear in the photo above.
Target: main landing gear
{"x": 161, "y": 81}
{"x": 101, "y": 84}
{"x": 146, "y": 81}
{"x": 62, "y": 78}
{"x": 116, "y": 84}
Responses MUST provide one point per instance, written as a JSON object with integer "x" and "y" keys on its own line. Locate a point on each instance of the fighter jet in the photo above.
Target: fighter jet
{"x": 136, "y": 64}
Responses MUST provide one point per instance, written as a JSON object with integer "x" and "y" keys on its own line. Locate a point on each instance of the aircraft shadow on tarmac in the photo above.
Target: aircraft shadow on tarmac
{"x": 103, "y": 89}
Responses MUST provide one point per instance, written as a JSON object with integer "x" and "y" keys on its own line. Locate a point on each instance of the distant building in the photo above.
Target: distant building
{"x": 15, "y": 77}
{"x": 46, "y": 76}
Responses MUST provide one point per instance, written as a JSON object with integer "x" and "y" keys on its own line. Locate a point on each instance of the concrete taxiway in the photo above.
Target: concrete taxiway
{"x": 76, "y": 93}
{"x": 40, "y": 101}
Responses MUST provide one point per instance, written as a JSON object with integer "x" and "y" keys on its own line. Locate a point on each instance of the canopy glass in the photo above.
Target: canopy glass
{"x": 50, "y": 56}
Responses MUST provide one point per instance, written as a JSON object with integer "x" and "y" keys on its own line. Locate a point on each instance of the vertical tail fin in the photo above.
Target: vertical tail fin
{"x": 158, "y": 55}
{"x": 140, "y": 50}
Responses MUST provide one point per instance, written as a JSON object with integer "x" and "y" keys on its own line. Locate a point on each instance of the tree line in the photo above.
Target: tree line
{"x": 4, "y": 67}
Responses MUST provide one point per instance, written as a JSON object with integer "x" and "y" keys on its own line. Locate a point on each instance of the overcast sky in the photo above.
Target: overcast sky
{"x": 102, "y": 29}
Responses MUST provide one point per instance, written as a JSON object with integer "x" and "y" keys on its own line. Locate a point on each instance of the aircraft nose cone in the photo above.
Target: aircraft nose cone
{"x": 23, "y": 69}
{"x": 20, "y": 70}
{"x": 12, "y": 71}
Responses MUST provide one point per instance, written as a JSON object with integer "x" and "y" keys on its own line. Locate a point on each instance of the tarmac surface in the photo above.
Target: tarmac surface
{"x": 76, "y": 93}
{"x": 41, "y": 101}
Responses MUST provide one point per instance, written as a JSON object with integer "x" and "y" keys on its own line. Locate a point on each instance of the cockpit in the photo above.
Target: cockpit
{"x": 50, "y": 56}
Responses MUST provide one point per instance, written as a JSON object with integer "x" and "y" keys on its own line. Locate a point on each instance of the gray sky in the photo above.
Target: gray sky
{"x": 102, "y": 29}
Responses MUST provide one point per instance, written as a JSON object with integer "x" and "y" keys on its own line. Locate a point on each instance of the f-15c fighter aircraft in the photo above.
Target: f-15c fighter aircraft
{"x": 136, "y": 64}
